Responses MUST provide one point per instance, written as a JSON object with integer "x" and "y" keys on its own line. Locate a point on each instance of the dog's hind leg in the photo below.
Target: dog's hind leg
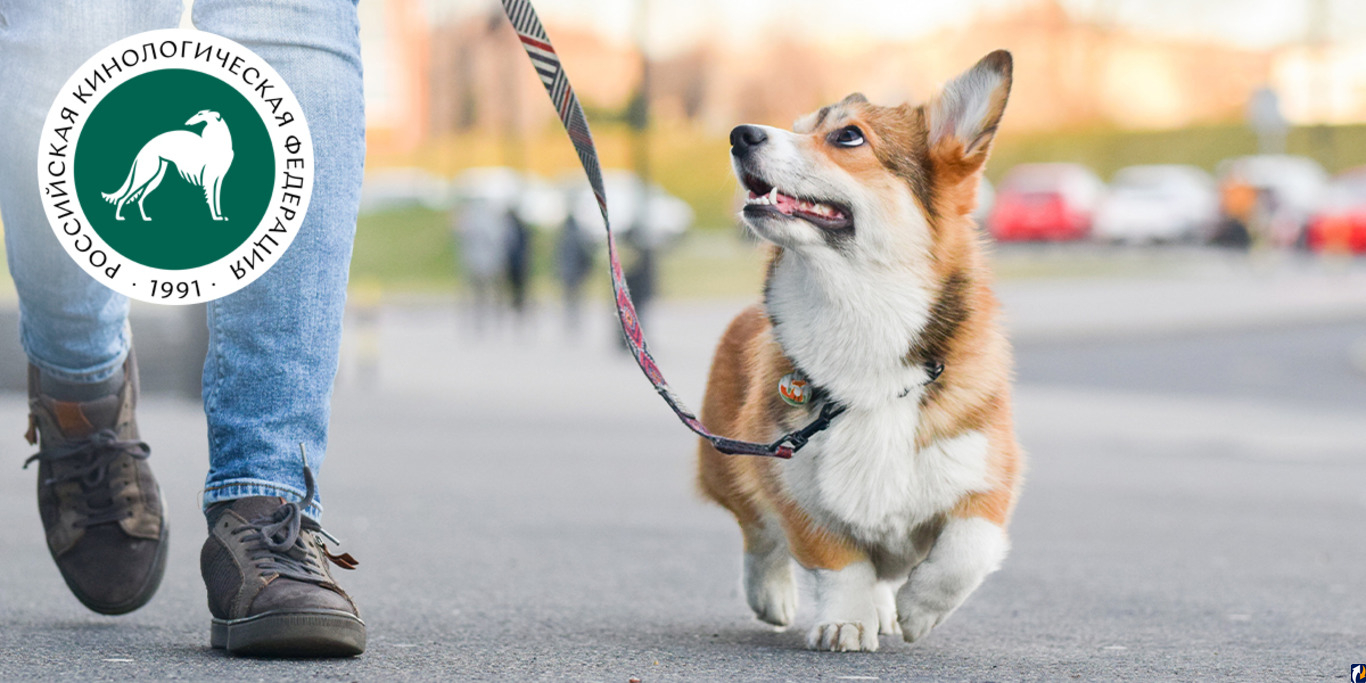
{"x": 125, "y": 193}
{"x": 151, "y": 185}
{"x": 884, "y": 596}
{"x": 770, "y": 588}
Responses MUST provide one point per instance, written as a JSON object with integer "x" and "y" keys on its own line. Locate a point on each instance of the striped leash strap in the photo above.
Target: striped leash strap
{"x": 547, "y": 65}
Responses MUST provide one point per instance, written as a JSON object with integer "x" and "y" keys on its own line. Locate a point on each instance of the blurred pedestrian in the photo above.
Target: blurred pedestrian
{"x": 1237, "y": 204}
{"x": 573, "y": 263}
{"x": 479, "y": 231}
{"x": 273, "y": 345}
{"x": 517, "y": 258}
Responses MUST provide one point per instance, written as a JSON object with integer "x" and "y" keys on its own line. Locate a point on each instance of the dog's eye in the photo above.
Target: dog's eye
{"x": 848, "y": 136}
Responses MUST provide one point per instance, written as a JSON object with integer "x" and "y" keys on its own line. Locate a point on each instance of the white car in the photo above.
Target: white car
{"x": 986, "y": 198}
{"x": 401, "y": 188}
{"x": 536, "y": 201}
{"x": 1157, "y": 203}
{"x": 665, "y": 217}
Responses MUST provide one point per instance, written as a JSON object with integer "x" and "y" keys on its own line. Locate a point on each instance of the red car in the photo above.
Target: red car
{"x": 1340, "y": 225}
{"x": 1046, "y": 202}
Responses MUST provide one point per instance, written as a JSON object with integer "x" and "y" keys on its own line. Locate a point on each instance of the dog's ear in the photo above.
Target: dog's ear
{"x": 964, "y": 116}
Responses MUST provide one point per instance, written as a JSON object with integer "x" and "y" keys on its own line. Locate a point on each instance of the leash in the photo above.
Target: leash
{"x": 552, "y": 75}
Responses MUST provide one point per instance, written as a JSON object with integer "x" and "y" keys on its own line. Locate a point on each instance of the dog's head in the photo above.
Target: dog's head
{"x": 873, "y": 183}
{"x": 204, "y": 116}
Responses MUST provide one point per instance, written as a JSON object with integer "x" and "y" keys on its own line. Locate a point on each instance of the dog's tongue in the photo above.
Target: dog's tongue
{"x": 785, "y": 204}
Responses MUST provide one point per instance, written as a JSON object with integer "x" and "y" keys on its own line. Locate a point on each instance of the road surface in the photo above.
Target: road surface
{"x": 522, "y": 508}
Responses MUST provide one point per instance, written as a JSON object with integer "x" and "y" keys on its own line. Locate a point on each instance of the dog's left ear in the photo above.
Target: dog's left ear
{"x": 964, "y": 116}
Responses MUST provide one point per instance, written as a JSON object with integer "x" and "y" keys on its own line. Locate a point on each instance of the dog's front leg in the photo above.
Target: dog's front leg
{"x": 845, "y": 583}
{"x": 967, "y": 550}
{"x": 846, "y": 608}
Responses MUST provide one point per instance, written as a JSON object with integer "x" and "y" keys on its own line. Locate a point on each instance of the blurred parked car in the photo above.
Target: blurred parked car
{"x": 401, "y": 188}
{"x": 1045, "y": 202}
{"x": 1288, "y": 190}
{"x": 1158, "y": 203}
{"x": 1340, "y": 224}
{"x": 664, "y": 219}
{"x": 986, "y": 198}
{"x": 536, "y": 201}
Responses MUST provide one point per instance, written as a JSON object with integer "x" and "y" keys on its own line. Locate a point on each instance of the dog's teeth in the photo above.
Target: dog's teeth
{"x": 773, "y": 195}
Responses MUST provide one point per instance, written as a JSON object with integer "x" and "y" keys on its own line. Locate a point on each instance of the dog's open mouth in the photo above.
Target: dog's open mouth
{"x": 767, "y": 200}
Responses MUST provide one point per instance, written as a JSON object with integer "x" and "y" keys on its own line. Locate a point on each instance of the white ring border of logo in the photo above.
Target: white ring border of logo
{"x": 215, "y": 279}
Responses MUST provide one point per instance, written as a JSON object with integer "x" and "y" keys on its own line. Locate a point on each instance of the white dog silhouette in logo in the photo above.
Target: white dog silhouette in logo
{"x": 202, "y": 159}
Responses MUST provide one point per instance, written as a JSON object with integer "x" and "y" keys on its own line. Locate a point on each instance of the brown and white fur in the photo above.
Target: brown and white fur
{"x": 898, "y": 510}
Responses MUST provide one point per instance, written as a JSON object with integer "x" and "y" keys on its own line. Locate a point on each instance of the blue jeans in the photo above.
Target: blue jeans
{"x": 273, "y": 345}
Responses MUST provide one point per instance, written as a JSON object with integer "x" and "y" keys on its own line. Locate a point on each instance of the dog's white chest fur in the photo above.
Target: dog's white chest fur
{"x": 864, "y": 475}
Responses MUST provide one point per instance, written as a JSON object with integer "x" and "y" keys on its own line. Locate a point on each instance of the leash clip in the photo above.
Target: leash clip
{"x": 800, "y": 437}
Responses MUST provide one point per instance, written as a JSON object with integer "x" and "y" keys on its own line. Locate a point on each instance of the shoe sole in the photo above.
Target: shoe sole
{"x": 293, "y": 633}
{"x": 144, "y": 594}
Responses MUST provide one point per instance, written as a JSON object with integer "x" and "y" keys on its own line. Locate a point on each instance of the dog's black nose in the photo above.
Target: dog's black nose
{"x": 745, "y": 138}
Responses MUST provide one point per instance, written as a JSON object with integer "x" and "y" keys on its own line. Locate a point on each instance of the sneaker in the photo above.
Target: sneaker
{"x": 100, "y": 504}
{"x": 270, "y": 588}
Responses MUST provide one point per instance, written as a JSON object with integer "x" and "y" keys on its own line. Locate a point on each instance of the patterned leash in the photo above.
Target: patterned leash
{"x": 547, "y": 64}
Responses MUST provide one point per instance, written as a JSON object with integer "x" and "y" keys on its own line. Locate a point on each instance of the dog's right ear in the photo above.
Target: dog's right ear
{"x": 963, "y": 117}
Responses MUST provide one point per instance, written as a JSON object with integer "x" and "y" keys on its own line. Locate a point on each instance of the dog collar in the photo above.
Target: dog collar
{"x": 796, "y": 390}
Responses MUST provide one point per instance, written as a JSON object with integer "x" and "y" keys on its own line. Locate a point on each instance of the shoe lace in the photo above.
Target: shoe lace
{"x": 276, "y": 544}
{"x": 90, "y": 460}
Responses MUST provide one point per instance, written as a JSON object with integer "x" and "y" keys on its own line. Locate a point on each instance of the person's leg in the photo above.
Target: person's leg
{"x": 97, "y": 498}
{"x": 273, "y": 353}
{"x": 273, "y": 346}
{"x": 72, "y": 327}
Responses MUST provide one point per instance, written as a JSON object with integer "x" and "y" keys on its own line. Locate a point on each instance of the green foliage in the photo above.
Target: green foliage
{"x": 405, "y": 249}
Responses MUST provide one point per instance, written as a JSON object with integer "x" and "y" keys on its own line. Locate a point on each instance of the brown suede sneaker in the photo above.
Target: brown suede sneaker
{"x": 100, "y": 504}
{"x": 270, "y": 589}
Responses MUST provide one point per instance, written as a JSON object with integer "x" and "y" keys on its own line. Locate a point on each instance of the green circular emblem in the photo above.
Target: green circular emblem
{"x": 171, "y": 225}
{"x": 176, "y": 166}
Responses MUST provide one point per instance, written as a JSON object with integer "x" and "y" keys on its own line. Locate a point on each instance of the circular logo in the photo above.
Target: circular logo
{"x": 176, "y": 166}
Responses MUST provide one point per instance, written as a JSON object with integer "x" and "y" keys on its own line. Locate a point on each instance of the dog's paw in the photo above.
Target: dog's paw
{"x": 886, "y": 610}
{"x": 775, "y": 602}
{"x": 771, "y": 589}
{"x": 843, "y": 636}
{"x": 920, "y": 624}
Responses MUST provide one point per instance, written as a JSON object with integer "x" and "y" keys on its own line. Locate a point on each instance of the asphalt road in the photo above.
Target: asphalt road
{"x": 522, "y": 509}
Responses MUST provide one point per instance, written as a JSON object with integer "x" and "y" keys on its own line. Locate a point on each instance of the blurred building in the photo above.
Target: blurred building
{"x": 1067, "y": 73}
{"x": 430, "y": 74}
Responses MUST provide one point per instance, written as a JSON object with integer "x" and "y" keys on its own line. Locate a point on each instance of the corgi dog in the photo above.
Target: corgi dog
{"x": 877, "y": 300}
